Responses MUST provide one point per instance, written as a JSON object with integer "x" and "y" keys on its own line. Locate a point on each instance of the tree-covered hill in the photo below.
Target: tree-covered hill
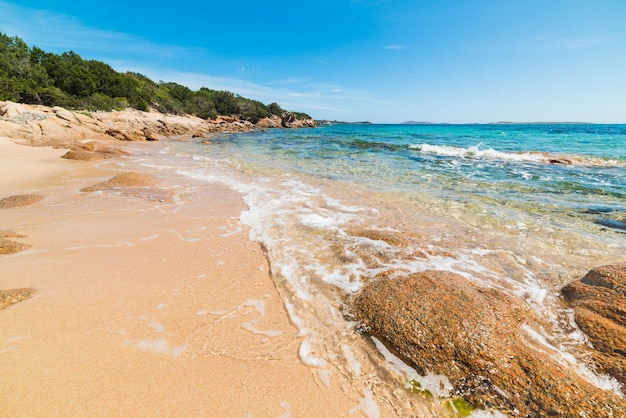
{"x": 33, "y": 76}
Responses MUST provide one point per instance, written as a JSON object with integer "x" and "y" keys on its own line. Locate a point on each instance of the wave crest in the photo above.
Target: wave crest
{"x": 474, "y": 152}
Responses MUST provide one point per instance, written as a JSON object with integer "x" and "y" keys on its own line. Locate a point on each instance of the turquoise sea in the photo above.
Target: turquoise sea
{"x": 525, "y": 208}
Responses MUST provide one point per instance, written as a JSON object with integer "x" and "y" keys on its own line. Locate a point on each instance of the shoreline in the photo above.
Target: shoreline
{"x": 143, "y": 305}
{"x": 149, "y": 283}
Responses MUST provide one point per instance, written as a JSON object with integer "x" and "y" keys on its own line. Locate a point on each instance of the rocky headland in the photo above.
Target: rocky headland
{"x": 40, "y": 125}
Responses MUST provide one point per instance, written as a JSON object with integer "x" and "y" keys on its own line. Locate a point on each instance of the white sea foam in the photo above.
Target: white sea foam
{"x": 161, "y": 346}
{"x": 295, "y": 319}
{"x": 437, "y": 385}
{"x": 355, "y": 365}
{"x": 259, "y": 306}
{"x": 157, "y": 326}
{"x": 306, "y": 347}
{"x": 248, "y": 326}
{"x": 367, "y": 405}
{"x": 298, "y": 225}
{"x": 479, "y": 413}
{"x": 474, "y": 152}
{"x": 324, "y": 375}
{"x": 345, "y": 278}
{"x": 603, "y": 382}
{"x": 332, "y": 220}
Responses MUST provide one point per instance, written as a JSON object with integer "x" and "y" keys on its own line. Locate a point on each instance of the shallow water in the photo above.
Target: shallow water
{"x": 522, "y": 208}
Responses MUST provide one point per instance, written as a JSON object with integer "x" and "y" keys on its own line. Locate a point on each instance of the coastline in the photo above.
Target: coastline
{"x": 144, "y": 264}
{"x": 149, "y": 300}
{"x": 141, "y": 305}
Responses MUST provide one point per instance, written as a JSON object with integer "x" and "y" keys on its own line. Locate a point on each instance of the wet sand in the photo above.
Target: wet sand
{"x": 144, "y": 306}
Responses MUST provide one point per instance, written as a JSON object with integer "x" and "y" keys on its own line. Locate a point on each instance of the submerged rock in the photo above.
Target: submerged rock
{"x": 133, "y": 184}
{"x": 599, "y": 303}
{"x": 19, "y": 200}
{"x": 11, "y": 247}
{"x": 612, "y": 223}
{"x": 10, "y": 297}
{"x": 123, "y": 180}
{"x": 389, "y": 237}
{"x": 441, "y": 323}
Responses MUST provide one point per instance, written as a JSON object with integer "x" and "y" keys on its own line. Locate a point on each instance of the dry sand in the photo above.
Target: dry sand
{"x": 143, "y": 307}
{"x": 22, "y": 168}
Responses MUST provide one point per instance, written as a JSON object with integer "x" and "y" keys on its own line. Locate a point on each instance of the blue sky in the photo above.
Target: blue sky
{"x": 384, "y": 61}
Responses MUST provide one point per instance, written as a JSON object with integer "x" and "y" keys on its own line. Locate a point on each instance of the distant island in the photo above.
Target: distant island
{"x": 336, "y": 122}
{"x": 412, "y": 122}
{"x": 540, "y": 123}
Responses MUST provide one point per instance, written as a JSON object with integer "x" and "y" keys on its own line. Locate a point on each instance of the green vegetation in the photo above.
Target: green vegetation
{"x": 460, "y": 406}
{"x": 457, "y": 406}
{"x": 32, "y": 76}
{"x": 416, "y": 387}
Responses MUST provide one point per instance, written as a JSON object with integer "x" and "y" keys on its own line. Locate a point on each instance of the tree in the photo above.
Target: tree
{"x": 275, "y": 109}
{"x": 31, "y": 75}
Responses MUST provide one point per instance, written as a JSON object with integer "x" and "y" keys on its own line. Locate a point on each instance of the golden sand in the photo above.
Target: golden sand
{"x": 143, "y": 307}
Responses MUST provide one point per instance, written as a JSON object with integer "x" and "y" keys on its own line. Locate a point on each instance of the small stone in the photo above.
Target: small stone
{"x": 19, "y": 200}
{"x": 10, "y": 297}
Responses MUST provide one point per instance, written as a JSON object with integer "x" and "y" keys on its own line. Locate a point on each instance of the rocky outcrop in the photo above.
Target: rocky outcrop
{"x": 41, "y": 125}
{"x": 599, "y": 303}
{"x": 19, "y": 200}
{"x": 92, "y": 151}
{"x": 289, "y": 120}
{"x": 442, "y": 323}
{"x": 271, "y": 122}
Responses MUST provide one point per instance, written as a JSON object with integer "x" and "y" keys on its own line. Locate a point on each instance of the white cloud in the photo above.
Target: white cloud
{"x": 295, "y": 94}
{"x": 57, "y": 32}
{"x": 324, "y": 100}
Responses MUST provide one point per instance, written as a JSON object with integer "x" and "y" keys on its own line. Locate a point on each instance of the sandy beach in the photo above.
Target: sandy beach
{"x": 136, "y": 281}
{"x": 147, "y": 303}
